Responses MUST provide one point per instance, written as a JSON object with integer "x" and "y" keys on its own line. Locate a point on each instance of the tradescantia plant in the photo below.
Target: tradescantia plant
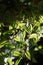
{"x": 19, "y": 35}
{"x": 23, "y": 43}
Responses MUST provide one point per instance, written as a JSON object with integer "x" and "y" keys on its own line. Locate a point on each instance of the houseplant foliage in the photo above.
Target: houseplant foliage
{"x": 21, "y": 27}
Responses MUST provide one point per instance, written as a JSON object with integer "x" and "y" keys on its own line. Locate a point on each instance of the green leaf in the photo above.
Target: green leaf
{"x": 27, "y": 54}
{"x": 37, "y": 24}
{"x": 30, "y": 28}
{"x": 24, "y": 34}
{"x": 36, "y": 49}
{"x": 9, "y": 61}
{"x": 10, "y": 27}
{"x": 33, "y": 36}
{"x": 3, "y": 43}
{"x": 18, "y": 61}
{"x": 41, "y": 19}
{"x": 39, "y": 47}
{"x": 16, "y": 53}
{"x": 1, "y": 46}
{"x": 17, "y": 38}
{"x": 0, "y": 33}
{"x": 20, "y": 25}
{"x": 10, "y": 46}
